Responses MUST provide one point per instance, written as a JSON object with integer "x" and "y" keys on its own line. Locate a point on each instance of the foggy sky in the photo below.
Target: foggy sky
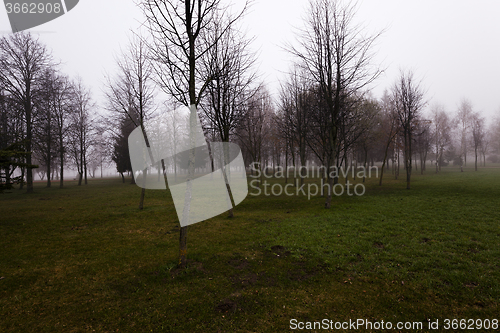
{"x": 452, "y": 46}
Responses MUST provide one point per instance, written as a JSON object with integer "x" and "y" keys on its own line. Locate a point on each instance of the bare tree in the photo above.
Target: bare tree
{"x": 81, "y": 129}
{"x": 494, "y": 134}
{"x": 463, "y": 119}
{"x": 63, "y": 92}
{"x": 389, "y": 126}
{"x": 485, "y": 146}
{"x": 478, "y": 134}
{"x": 45, "y": 112}
{"x": 176, "y": 27}
{"x": 336, "y": 52}
{"x": 23, "y": 60}
{"x": 284, "y": 125}
{"x": 297, "y": 103}
{"x": 100, "y": 153}
{"x": 408, "y": 99}
{"x": 229, "y": 65}
{"x": 363, "y": 121}
{"x": 254, "y": 131}
{"x": 441, "y": 128}
{"x": 131, "y": 93}
{"x": 423, "y": 142}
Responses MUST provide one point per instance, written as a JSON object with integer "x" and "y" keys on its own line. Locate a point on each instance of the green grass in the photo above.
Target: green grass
{"x": 85, "y": 258}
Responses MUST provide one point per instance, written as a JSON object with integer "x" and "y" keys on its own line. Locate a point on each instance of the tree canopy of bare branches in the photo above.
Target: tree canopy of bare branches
{"x": 179, "y": 30}
{"x": 23, "y": 61}
{"x": 336, "y": 53}
{"x": 408, "y": 99}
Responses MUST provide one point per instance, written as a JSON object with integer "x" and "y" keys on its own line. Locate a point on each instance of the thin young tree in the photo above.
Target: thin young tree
{"x": 176, "y": 27}
{"x": 463, "y": 120}
{"x": 478, "y": 133}
{"x": 131, "y": 92}
{"x": 485, "y": 146}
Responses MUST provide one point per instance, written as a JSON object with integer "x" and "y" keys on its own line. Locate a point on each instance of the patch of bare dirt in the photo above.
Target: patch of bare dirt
{"x": 226, "y": 305}
{"x": 279, "y": 251}
{"x": 239, "y": 264}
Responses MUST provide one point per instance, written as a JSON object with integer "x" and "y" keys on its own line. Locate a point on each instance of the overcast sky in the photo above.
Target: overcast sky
{"x": 451, "y": 45}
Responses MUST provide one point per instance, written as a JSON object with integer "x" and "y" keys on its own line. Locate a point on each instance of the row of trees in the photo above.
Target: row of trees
{"x": 47, "y": 119}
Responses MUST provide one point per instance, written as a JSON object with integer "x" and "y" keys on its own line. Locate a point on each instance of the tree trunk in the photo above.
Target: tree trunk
{"x": 61, "y": 157}
{"x": 7, "y": 175}
{"x": 29, "y": 136}
{"x": 365, "y": 164}
{"x": 183, "y": 247}
{"x": 21, "y": 186}
{"x": 383, "y": 164}
{"x": 328, "y": 201}
{"x": 475, "y": 162}
{"x": 85, "y": 168}
{"x": 408, "y": 158}
{"x": 286, "y": 163}
{"x": 159, "y": 171}
{"x": 143, "y": 190}
{"x": 397, "y": 166}
{"x": 49, "y": 161}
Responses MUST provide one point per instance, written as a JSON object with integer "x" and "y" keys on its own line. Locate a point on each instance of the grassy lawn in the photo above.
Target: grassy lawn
{"x": 84, "y": 259}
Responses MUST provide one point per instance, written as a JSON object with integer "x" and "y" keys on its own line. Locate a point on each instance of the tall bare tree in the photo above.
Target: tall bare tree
{"x": 131, "y": 93}
{"x": 336, "y": 52}
{"x": 176, "y": 27}
{"x": 297, "y": 104}
{"x": 63, "y": 92}
{"x": 46, "y": 129}
{"x": 82, "y": 128}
